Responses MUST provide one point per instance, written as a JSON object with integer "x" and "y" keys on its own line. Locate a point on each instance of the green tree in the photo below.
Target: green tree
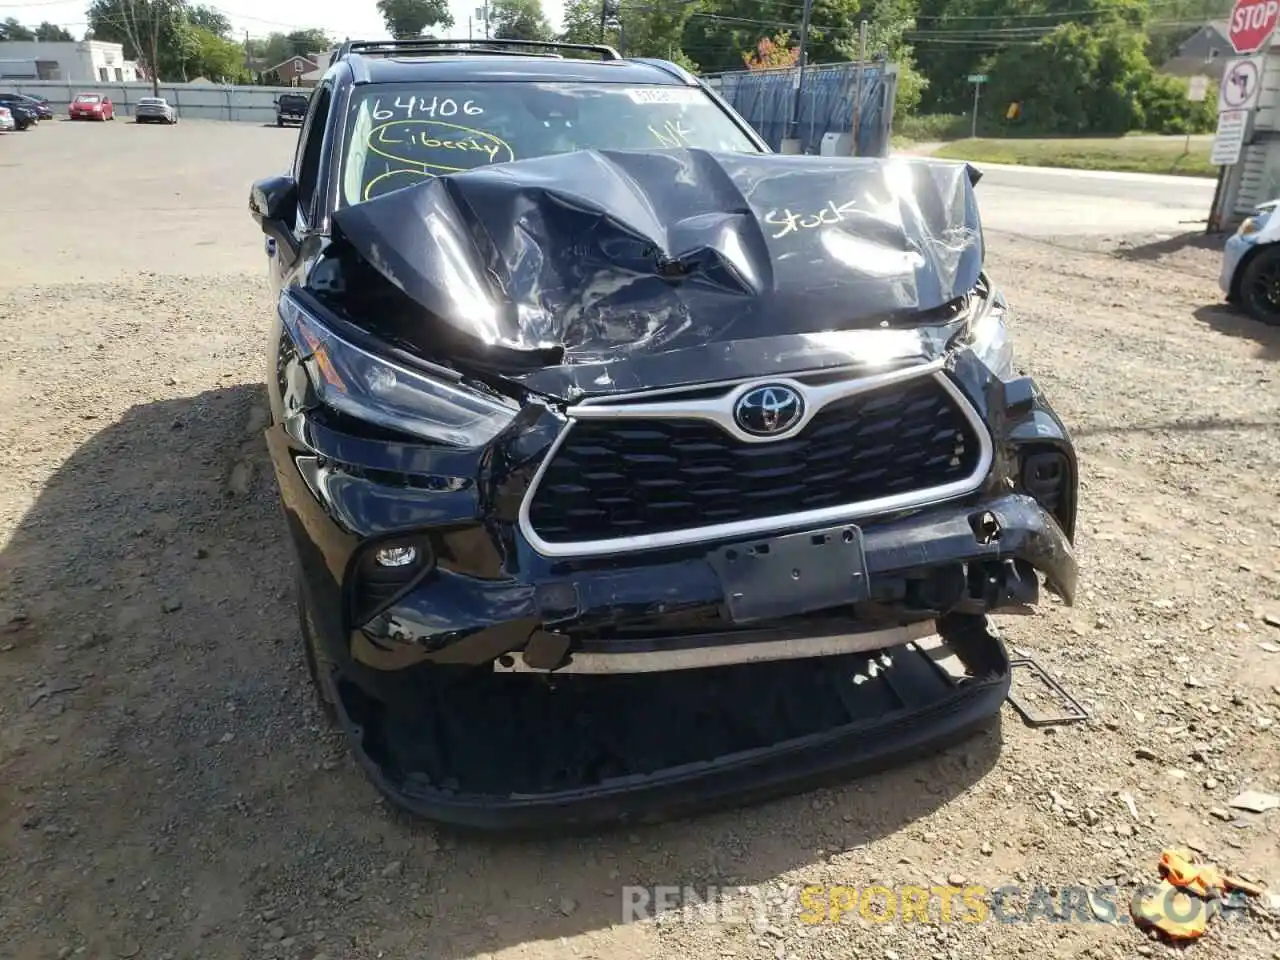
{"x": 582, "y": 22}
{"x": 217, "y": 57}
{"x": 406, "y": 19}
{"x": 208, "y": 18}
{"x": 11, "y": 29}
{"x": 1075, "y": 80}
{"x": 655, "y": 29}
{"x": 1166, "y": 109}
{"x": 51, "y": 32}
{"x": 519, "y": 20}
{"x": 279, "y": 47}
{"x": 150, "y": 31}
{"x": 718, "y": 32}
{"x": 889, "y": 23}
{"x": 306, "y": 41}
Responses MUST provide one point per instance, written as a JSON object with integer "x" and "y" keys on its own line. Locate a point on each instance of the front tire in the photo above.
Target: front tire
{"x": 1260, "y": 286}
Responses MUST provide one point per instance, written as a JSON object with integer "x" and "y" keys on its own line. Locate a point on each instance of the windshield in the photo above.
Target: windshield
{"x": 151, "y": 102}
{"x": 403, "y": 134}
{"x": 88, "y": 98}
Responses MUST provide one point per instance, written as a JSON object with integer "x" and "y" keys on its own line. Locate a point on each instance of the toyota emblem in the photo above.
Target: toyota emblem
{"x": 768, "y": 410}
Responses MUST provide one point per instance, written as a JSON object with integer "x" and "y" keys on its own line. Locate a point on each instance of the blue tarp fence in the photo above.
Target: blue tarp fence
{"x": 766, "y": 100}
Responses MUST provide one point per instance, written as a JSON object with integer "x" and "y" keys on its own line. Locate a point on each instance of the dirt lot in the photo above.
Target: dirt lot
{"x": 166, "y": 785}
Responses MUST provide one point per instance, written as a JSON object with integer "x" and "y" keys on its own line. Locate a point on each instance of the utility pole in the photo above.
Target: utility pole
{"x": 857, "y": 96}
{"x": 155, "y": 50}
{"x": 604, "y": 15}
{"x": 794, "y": 127}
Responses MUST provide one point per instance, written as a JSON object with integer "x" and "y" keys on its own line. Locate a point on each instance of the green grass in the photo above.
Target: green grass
{"x": 1162, "y": 155}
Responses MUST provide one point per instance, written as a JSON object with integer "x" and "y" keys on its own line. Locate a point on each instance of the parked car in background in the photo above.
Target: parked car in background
{"x": 154, "y": 110}
{"x": 291, "y": 108}
{"x": 1250, "y": 274}
{"x": 39, "y": 104}
{"x": 91, "y": 106}
{"x": 24, "y": 113}
{"x": 6, "y": 119}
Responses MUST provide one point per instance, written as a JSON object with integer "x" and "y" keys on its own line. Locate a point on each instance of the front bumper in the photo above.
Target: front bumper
{"x": 1232, "y": 254}
{"x": 514, "y": 754}
{"x": 928, "y": 564}
{"x": 393, "y": 657}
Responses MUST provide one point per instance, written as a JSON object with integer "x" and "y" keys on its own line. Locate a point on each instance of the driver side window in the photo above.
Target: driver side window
{"x": 307, "y": 166}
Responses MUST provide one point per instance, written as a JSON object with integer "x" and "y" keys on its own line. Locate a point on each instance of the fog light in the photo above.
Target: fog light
{"x": 396, "y": 556}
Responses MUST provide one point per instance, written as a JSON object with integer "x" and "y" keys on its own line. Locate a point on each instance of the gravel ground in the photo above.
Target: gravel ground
{"x": 167, "y": 787}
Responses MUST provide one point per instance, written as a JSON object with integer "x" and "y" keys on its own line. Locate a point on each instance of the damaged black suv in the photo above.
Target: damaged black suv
{"x": 630, "y": 467}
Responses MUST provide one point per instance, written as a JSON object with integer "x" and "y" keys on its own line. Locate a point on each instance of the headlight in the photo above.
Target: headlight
{"x": 376, "y": 390}
{"x": 989, "y": 341}
{"x": 1250, "y": 225}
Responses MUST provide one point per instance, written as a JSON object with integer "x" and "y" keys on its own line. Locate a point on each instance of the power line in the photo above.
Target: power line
{"x": 1059, "y": 15}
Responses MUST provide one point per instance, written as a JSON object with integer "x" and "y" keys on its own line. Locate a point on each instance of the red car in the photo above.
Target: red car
{"x": 92, "y": 106}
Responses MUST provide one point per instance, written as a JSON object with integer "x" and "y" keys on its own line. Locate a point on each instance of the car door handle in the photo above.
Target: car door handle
{"x": 271, "y": 246}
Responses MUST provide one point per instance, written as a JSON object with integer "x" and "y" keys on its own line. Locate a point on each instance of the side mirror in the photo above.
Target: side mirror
{"x": 273, "y": 203}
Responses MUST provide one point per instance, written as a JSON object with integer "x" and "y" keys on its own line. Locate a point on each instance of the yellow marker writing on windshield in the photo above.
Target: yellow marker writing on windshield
{"x": 673, "y": 133}
{"x": 413, "y": 141}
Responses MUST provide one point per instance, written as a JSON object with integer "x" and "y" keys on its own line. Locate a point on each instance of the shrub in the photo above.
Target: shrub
{"x": 928, "y": 127}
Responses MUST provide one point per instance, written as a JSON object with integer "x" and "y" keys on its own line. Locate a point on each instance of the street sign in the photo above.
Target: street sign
{"x": 977, "y": 78}
{"x": 1229, "y": 138}
{"x": 1241, "y": 82}
{"x": 1251, "y": 24}
{"x": 1197, "y": 87}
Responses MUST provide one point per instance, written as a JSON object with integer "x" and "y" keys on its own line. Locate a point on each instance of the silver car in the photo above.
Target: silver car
{"x": 154, "y": 110}
{"x": 6, "y": 119}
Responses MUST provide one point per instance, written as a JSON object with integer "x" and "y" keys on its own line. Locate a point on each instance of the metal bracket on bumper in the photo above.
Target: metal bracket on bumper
{"x": 688, "y": 655}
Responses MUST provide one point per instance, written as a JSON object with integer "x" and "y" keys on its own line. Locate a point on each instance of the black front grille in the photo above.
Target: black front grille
{"x": 621, "y": 478}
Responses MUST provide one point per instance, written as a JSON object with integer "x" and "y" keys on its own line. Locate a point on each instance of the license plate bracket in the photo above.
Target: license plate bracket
{"x": 774, "y": 577}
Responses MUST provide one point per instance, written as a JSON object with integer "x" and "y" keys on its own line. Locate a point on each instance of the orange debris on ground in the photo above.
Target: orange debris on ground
{"x": 1181, "y": 905}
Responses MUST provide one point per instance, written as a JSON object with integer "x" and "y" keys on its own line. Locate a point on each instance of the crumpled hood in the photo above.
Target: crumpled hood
{"x": 604, "y": 257}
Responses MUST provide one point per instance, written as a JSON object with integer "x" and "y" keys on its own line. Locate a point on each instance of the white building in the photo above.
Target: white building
{"x": 74, "y": 61}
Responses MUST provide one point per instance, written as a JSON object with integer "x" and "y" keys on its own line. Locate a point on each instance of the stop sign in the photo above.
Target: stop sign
{"x": 1251, "y": 23}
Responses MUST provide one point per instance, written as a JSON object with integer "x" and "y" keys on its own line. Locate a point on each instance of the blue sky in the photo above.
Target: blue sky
{"x": 357, "y": 18}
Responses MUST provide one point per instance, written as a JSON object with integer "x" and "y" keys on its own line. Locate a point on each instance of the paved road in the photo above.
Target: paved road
{"x": 1040, "y": 201}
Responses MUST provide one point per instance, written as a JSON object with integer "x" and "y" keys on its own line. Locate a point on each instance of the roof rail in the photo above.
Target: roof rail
{"x": 460, "y": 46}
